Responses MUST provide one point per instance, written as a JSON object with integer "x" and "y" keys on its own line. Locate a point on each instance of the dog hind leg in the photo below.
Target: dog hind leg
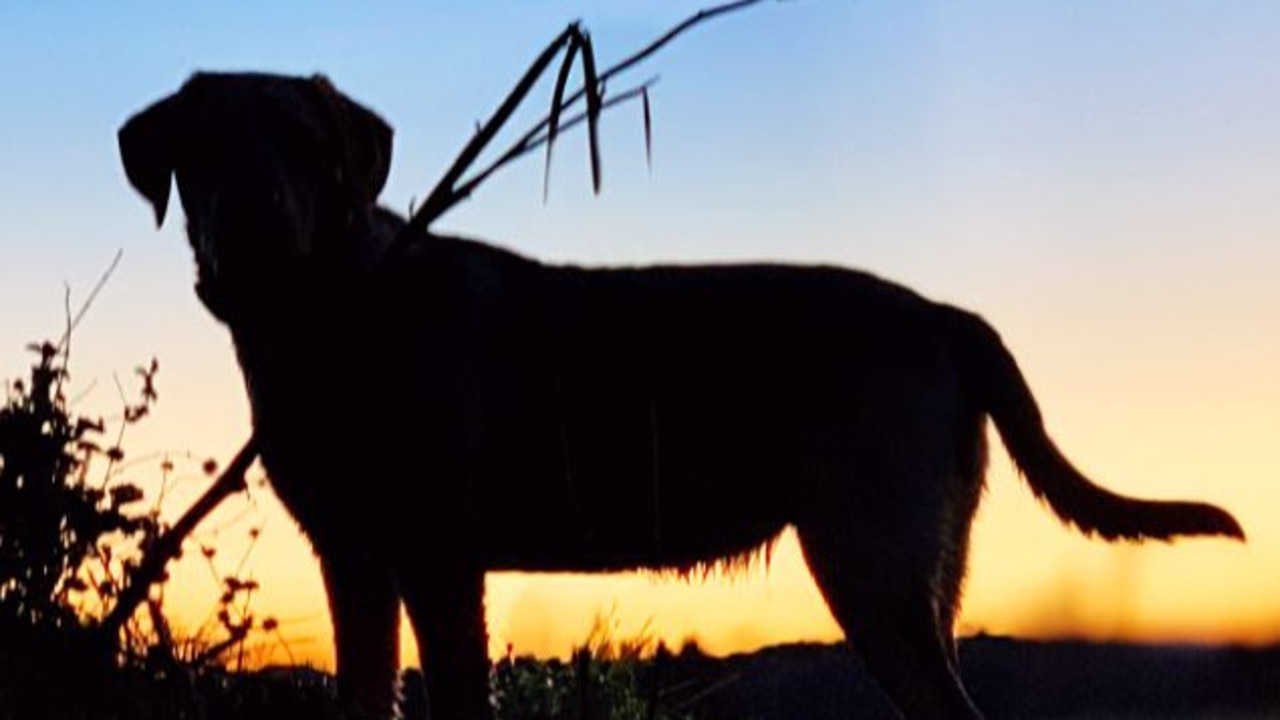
{"x": 949, "y": 583}
{"x": 892, "y": 619}
{"x": 953, "y": 560}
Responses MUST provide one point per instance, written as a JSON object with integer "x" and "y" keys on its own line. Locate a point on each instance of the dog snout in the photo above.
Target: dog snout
{"x": 201, "y": 233}
{"x": 206, "y": 257}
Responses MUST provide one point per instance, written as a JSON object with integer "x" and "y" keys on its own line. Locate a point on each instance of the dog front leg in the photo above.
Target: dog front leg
{"x": 446, "y": 607}
{"x": 364, "y": 607}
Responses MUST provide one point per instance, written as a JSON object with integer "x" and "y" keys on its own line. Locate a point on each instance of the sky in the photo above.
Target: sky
{"x": 1100, "y": 180}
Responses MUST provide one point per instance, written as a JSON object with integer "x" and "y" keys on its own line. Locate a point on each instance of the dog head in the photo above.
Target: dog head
{"x": 278, "y": 177}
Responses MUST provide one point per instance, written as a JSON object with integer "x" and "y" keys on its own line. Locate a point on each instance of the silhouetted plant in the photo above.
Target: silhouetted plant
{"x": 607, "y": 678}
{"x": 74, "y": 534}
{"x": 65, "y": 536}
{"x": 53, "y": 518}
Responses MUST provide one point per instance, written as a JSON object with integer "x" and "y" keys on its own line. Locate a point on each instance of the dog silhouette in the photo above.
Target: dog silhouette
{"x": 459, "y": 408}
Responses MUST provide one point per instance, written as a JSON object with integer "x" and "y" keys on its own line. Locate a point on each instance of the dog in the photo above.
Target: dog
{"x": 458, "y": 408}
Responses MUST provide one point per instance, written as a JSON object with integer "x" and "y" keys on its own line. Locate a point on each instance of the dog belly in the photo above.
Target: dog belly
{"x": 628, "y": 491}
{"x": 625, "y": 544}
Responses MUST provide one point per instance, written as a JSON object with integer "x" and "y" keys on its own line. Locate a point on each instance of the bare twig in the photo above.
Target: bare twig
{"x": 536, "y": 138}
{"x": 114, "y": 455}
{"x": 167, "y": 545}
{"x": 648, "y": 130}
{"x": 592, "y": 85}
{"x": 84, "y": 307}
{"x": 448, "y": 192}
{"x": 653, "y": 47}
{"x": 442, "y": 197}
{"x": 553, "y": 118}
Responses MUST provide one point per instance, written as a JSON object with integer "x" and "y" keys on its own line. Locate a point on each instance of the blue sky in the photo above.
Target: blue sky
{"x": 1101, "y": 180}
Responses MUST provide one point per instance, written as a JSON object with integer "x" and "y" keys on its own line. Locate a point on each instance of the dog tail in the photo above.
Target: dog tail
{"x": 1002, "y": 391}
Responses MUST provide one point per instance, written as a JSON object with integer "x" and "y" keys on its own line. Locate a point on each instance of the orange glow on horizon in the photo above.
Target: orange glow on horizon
{"x": 1103, "y": 594}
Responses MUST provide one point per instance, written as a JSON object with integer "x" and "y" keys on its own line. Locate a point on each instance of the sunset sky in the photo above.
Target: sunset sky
{"x": 1099, "y": 179}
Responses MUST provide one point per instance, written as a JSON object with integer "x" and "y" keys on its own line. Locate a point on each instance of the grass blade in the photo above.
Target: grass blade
{"x": 591, "y": 82}
{"x": 648, "y": 128}
{"x": 444, "y": 195}
{"x": 557, "y": 100}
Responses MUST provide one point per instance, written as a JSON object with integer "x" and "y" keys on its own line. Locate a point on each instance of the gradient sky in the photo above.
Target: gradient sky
{"x": 1099, "y": 179}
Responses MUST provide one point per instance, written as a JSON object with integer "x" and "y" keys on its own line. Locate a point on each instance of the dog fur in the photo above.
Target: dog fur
{"x": 460, "y": 408}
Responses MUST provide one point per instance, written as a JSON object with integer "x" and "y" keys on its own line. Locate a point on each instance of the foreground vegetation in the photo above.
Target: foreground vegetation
{"x": 74, "y": 533}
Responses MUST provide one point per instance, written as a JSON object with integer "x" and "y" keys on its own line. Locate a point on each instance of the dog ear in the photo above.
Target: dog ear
{"x": 147, "y": 148}
{"x": 367, "y": 141}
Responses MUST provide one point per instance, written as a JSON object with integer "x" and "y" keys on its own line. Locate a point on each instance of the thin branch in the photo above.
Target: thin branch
{"x": 648, "y": 130}
{"x": 244, "y": 557}
{"x": 591, "y": 83}
{"x": 536, "y": 138}
{"x": 623, "y": 66}
{"x": 441, "y": 196}
{"x": 64, "y": 347}
{"x": 653, "y": 47}
{"x": 553, "y": 118}
{"x": 167, "y": 545}
{"x": 84, "y": 307}
{"x": 115, "y": 454}
{"x": 447, "y": 193}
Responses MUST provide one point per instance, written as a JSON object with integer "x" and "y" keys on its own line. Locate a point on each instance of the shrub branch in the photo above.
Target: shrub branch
{"x": 167, "y": 545}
